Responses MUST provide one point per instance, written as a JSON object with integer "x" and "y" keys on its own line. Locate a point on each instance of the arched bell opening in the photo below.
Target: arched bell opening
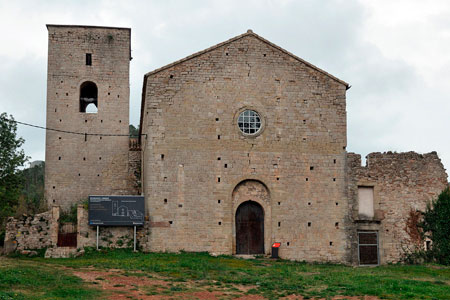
{"x": 88, "y": 97}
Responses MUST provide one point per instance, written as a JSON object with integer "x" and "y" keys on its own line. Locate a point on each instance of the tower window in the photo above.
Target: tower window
{"x": 88, "y": 97}
{"x": 88, "y": 59}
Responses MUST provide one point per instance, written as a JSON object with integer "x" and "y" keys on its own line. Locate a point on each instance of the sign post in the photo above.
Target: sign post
{"x": 134, "y": 239}
{"x": 97, "y": 236}
{"x": 117, "y": 211}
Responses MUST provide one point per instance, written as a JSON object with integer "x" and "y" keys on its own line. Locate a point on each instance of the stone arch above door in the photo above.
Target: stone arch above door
{"x": 253, "y": 190}
{"x": 256, "y": 191}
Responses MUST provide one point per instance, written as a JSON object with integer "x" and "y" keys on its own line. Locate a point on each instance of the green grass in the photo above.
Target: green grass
{"x": 270, "y": 278}
{"x": 32, "y": 281}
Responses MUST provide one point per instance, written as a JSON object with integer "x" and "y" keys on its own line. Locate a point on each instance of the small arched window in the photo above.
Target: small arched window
{"x": 88, "y": 97}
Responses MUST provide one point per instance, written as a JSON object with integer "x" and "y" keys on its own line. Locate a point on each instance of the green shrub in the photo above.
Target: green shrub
{"x": 85, "y": 203}
{"x": 436, "y": 226}
{"x": 69, "y": 216}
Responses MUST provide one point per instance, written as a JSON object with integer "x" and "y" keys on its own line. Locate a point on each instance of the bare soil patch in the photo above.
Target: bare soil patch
{"x": 294, "y": 297}
{"x": 123, "y": 286}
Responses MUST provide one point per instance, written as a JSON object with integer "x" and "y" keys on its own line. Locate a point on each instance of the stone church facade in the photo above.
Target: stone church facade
{"x": 241, "y": 145}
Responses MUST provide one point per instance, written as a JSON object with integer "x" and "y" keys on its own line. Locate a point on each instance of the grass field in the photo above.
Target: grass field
{"x": 178, "y": 275}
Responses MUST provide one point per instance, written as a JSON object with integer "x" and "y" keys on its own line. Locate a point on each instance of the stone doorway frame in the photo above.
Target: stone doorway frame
{"x": 265, "y": 203}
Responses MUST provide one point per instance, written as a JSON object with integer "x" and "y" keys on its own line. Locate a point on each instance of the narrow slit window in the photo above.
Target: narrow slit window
{"x": 88, "y": 59}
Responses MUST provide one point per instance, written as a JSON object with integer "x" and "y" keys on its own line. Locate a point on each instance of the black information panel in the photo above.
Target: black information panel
{"x": 116, "y": 210}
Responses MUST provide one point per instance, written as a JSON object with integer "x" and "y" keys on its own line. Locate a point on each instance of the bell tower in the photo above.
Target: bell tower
{"x": 88, "y": 110}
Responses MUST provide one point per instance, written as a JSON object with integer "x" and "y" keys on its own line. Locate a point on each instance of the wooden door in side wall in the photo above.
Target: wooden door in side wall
{"x": 67, "y": 235}
{"x": 368, "y": 248}
{"x": 250, "y": 228}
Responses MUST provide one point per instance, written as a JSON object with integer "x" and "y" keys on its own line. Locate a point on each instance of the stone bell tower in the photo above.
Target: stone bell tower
{"x": 88, "y": 108}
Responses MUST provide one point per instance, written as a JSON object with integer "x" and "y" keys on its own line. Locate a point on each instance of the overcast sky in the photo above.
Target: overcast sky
{"x": 394, "y": 54}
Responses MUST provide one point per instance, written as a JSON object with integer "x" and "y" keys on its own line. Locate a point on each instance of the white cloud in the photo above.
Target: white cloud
{"x": 393, "y": 53}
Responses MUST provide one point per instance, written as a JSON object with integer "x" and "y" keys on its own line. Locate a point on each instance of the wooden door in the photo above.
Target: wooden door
{"x": 67, "y": 235}
{"x": 250, "y": 228}
{"x": 368, "y": 248}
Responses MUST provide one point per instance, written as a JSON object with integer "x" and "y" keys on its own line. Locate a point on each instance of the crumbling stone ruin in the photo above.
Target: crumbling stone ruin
{"x": 386, "y": 194}
{"x": 241, "y": 145}
{"x": 29, "y": 232}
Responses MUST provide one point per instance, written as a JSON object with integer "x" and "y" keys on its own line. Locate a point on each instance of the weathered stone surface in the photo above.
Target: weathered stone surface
{"x": 109, "y": 237}
{"x": 403, "y": 184}
{"x": 30, "y": 253}
{"x": 41, "y": 231}
{"x": 79, "y": 165}
{"x": 63, "y": 252}
{"x": 198, "y": 167}
{"x": 189, "y": 114}
{"x": 28, "y": 232}
{"x": 9, "y": 246}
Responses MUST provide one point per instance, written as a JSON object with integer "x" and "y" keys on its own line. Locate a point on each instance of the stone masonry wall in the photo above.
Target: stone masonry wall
{"x": 109, "y": 237}
{"x": 41, "y": 231}
{"x": 134, "y": 171}
{"x": 403, "y": 183}
{"x": 194, "y": 155}
{"x": 77, "y": 165}
{"x": 32, "y": 232}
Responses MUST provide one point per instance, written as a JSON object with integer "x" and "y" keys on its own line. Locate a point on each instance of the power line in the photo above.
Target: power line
{"x": 71, "y": 132}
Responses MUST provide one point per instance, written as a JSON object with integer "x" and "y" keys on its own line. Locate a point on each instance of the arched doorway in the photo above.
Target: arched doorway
{"x": 250, "y": 228}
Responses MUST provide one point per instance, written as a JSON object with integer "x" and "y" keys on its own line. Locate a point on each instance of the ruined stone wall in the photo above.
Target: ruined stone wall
{"x": 41, "y": 232}
{"x": 134, "y": 170}
{"x": 109, "y": 237}
{"x": 77, "y": 165}
{"x": 194, "y": 155}
{"x": 32, "y": 232}
{"x": 403, "y": 183}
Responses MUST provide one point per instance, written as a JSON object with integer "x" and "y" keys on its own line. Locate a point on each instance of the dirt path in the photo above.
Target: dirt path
{"x": 139, "y": 286}
{"x": 123, "y": 286}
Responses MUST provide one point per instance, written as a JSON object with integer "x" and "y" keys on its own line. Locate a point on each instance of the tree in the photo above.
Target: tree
{"x": 436, "y": 225}
{"x": 11, "y": 158}
{"x": 31, "y": 200}
{"x": 134, "y": 132}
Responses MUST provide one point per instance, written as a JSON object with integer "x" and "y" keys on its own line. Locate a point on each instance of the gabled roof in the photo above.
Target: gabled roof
{"x": 248, "y": 33}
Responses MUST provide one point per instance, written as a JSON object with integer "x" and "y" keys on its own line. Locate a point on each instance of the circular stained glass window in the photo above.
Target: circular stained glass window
{"x": 249, "y": 122}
